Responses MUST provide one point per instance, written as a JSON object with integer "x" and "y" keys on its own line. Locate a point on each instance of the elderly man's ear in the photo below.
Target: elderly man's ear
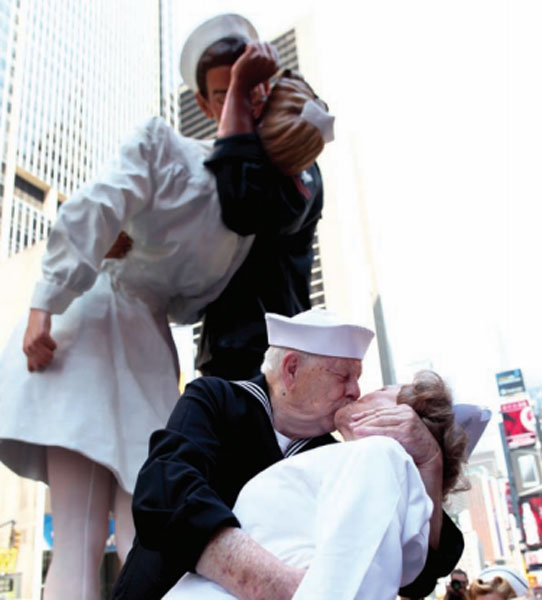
{"x": 290, "y": 368}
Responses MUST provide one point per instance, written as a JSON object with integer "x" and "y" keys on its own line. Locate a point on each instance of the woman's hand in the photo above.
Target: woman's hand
{"x": 38, "y": 345}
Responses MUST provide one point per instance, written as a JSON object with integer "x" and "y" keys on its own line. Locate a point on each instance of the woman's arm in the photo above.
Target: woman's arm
{"x": 87, "y": 229}
{"x": 38, "y": 344}
{"x": 90, "y": 221}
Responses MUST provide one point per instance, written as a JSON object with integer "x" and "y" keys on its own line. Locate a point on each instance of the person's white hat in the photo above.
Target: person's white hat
{"x": 209, "y": 32}
{"x": 518, "y": 583}
{"x": 319, "y": 331}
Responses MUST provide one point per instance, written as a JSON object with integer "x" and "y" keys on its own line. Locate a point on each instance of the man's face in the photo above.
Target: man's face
{"x": 218, "y": 81}
{"x": 383, "y": 398}
{"x": 324, "y": 385}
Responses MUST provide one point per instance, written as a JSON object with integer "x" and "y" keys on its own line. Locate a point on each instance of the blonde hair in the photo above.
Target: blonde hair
{"x": 497, "y": 585}
{"x": 292, "y": 143}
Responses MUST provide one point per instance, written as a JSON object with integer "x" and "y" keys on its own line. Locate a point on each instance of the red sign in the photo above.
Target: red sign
{"x": 519, "y": 423}
{"x": 530, "y": 510}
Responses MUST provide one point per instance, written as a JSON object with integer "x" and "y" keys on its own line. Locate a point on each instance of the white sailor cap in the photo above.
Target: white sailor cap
{"x": 319, "y": 331}
{"x": 209, "y": 32}
{"x": 517, "y": 581}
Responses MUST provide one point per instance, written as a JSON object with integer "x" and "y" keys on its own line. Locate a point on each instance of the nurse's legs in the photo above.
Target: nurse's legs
{"x": 124, "y": 523}
{"x": 80, "y": 502}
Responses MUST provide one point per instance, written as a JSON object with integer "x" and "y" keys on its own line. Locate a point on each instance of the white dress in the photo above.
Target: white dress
{"x": 356, "y": 514}
{"x": 113, "y": 379}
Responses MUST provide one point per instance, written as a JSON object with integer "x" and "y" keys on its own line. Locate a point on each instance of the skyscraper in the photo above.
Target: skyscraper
{"x": 77, "y": 77}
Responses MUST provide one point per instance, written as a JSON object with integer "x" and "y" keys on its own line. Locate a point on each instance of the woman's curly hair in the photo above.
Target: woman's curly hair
{"x": 292, "y": 143}
{"x": 431, "y": 399}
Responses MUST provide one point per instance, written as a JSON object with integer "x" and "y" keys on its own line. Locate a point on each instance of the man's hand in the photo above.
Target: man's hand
{"x": 248, "y": 89}
{"x": 258, "y": 63}
{"x": 38, "y": 345}
{"x": 121, "y": 246}
{"x": 249, "y": 572}
{"x": 403, "y": 424}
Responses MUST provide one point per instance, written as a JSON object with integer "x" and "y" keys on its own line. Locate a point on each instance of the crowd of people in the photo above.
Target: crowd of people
{"x": 237, "y": 489}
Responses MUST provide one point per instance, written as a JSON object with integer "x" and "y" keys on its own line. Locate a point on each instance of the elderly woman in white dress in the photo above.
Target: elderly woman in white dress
{"x": 103, "y": 371}
{"x": 355, "y": 515}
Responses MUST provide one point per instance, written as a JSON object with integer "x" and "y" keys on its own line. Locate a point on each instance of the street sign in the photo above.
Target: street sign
{"x": 510, "y": 382}
{"x": 8, "y": 559}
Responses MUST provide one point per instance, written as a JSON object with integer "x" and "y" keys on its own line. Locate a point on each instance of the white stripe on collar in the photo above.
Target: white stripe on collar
{"x": 295, "y": 445}
{"x": 259, "y": 394}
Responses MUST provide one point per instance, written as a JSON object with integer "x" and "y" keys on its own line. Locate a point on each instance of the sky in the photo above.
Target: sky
{"x": 445, "y": 99}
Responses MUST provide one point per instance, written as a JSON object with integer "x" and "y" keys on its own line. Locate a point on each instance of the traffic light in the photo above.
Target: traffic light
{"x": 15, "y": 538}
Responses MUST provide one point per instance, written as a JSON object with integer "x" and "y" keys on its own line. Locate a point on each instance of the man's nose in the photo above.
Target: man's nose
{"x": 352, "y": 389}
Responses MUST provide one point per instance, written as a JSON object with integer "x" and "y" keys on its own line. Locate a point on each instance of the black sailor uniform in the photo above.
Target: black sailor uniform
{"x": 283, "y": 212}
{"x": 219, "y": 435}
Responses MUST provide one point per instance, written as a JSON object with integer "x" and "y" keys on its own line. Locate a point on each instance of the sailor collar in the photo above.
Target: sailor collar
{"x": 259, "y": 392}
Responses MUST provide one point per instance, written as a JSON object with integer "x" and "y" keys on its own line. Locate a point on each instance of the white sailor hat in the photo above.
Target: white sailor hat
{"x": 517, "y": 581}
{"x": 319, "y": 331}
{"x": 209, "y": 32}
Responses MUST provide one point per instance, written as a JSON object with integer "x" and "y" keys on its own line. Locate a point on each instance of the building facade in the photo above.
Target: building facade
{"x": 76, "y": 81}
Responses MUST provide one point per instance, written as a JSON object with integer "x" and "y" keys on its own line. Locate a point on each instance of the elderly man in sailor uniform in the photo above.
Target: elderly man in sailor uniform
{"x": 223, "y": 433}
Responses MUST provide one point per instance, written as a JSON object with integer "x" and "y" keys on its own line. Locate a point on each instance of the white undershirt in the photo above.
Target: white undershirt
{"x": 282, "y": 441}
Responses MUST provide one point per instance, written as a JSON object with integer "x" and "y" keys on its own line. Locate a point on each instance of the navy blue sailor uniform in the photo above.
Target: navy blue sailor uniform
{"x": 283, "y": 211}
{"x": 219, "y": 436}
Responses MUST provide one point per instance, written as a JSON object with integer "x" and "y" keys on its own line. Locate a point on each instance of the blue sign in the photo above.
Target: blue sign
{"x": 510, "y": 382}
{"x": 49, "y": 534}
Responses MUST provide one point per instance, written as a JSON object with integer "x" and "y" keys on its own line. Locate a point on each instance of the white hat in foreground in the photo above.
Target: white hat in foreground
{"x": 319, "y": 331}
{"x": 208, "y": 33}
{"x": 518, "y": 583}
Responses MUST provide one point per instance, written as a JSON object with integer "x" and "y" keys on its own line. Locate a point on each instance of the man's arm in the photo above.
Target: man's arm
{"x": 255, "y": 197}
{"x": 249, "y": 76}
{"x": 248, "y": 571}
{"x": 177, "y": 510}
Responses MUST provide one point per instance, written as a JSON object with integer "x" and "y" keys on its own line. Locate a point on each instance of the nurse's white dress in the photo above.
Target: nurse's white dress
{"x": 356, "y": 514}
{"x": 114, "y": 376}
